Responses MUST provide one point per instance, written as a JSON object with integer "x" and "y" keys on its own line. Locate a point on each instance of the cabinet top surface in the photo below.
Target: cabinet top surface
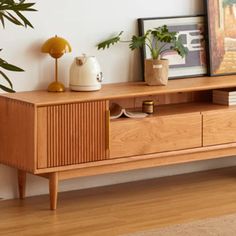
{"x": 124, "y": 90}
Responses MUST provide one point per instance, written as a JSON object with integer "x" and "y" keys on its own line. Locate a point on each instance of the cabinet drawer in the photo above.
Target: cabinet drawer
{"x": 219, "y": 128}
{"x": 129, "y": 137}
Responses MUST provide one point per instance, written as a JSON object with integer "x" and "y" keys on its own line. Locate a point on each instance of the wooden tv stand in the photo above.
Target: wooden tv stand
{"x": 66, "y": 135}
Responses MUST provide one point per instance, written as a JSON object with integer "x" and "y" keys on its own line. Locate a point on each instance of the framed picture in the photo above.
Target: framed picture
{"x": 191, "y": 30}
{"x": 221, "y": 21}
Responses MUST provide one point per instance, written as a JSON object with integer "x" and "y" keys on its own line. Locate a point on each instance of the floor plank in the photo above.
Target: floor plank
{"x": 124, "y": 208}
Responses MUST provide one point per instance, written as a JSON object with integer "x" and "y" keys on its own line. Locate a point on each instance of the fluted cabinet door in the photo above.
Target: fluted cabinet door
{"x": 70, "y": 134}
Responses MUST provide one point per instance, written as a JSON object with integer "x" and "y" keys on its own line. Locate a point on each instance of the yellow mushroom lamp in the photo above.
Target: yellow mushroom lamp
{"x": 56, "y": 47}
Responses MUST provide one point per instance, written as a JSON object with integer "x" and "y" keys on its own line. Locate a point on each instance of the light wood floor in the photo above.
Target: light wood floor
{"x": 124, "y": 208}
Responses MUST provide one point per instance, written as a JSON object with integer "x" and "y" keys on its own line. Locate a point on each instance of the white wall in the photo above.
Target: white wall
{"x": 84, "y": 23}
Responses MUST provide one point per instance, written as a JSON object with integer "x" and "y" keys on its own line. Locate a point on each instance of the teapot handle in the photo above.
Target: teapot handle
{"x": 100, "y": 77}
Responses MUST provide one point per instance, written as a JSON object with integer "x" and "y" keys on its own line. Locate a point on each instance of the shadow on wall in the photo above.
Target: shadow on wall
{"x": 135, "y": 66}
{"x": 8, "y": 183}
{"x": 34, "y": 54}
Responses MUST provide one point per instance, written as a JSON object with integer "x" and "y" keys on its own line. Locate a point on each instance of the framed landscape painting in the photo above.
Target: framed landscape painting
{"x": 191, "y": 30}
{"x": 221, "y": 18}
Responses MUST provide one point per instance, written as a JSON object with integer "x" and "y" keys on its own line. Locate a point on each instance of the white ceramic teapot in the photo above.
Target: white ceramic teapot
{"x": 85, "y": 74}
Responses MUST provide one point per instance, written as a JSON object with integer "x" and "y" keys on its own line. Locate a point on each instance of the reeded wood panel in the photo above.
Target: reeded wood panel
{"x": 130, "y": 137}
{"x": 219, "y": 127}
{"x": 72, "y": 134}
{"x": 17, "y": 130}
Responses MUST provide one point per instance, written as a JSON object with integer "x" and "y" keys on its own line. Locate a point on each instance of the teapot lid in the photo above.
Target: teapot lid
{"x": 81, "y": 60}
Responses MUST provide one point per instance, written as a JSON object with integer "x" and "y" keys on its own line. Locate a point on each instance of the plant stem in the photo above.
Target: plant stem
{"x": 160, "y": 49}
{"x": 152, "y": 50}
{"x": 156, "y": 47}
{"x": 125, "y": 41}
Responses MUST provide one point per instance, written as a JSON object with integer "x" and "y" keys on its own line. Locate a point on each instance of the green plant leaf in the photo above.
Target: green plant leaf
{"x": 179, "y": 48}
{"x": 10, "y": 10}
{"x": 137, "y": 42}
{"x": 26, "y": 22}
{"x": 6, "y": 78}
{"x": 9, "y": 67}
{"x": 2, "y": 20}
{"x": 12, "y": 19}
{"x": 24, "y": 7}
{"x": 157, "y": 40}
{"x": 107, "y": 43}
{"x": 162, "y": 34}
{"x": 6, "y": 89}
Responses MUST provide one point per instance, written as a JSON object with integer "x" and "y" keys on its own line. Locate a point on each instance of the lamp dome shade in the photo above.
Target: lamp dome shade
{"x": 56, "y": 47}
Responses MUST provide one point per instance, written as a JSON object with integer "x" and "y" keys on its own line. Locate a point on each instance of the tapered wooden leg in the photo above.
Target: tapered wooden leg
{"x": 21, "y": 183}
{"x": 53, "y": 189}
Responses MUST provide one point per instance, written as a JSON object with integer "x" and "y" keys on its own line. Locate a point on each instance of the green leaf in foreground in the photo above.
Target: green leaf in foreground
{"x": 11, "y": 10}
{"x": 6, "y": 89}
{"x": 5, "y": 65}
{"x": 9, "y": 67}
{"x": 6, "y": 78}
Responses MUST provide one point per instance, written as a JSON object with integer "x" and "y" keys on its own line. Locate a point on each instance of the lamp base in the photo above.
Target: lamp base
{"x": 56, "y": 87}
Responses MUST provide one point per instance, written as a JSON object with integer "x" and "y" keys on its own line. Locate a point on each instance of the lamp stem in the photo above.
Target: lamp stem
{"x": 56, "y": 70}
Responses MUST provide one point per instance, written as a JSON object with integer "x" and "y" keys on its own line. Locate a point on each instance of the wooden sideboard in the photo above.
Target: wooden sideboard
{"x": 67, "y": 135}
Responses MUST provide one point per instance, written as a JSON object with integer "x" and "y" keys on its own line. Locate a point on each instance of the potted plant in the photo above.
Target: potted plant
{"x": 11, "y": 11}
{"x": 158, "y": 41}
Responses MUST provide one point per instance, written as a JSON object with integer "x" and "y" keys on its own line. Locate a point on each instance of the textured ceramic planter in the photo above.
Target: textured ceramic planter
{"x": 156, "y": 71}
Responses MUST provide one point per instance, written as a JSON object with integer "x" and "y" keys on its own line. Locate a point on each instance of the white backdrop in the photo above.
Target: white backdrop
{"x": 84, "y": 23}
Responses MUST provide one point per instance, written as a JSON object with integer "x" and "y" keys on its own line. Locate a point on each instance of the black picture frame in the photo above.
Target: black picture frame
{"x": 221, "y": 30}
{"x": 195, "y": 62}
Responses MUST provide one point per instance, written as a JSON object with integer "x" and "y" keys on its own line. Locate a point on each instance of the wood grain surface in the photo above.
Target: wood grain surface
{"x": 131, "y": 137}
{"x": 17, "y": 138}
{"x": 124, "y": 208}
{"x": 219, "y": 127}
{"x": 123, "y": 90}
{"x": 72, "y": 134}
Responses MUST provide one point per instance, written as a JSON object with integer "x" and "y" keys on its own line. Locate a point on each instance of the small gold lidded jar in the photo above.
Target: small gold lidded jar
{"x": 148, "y": 106}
